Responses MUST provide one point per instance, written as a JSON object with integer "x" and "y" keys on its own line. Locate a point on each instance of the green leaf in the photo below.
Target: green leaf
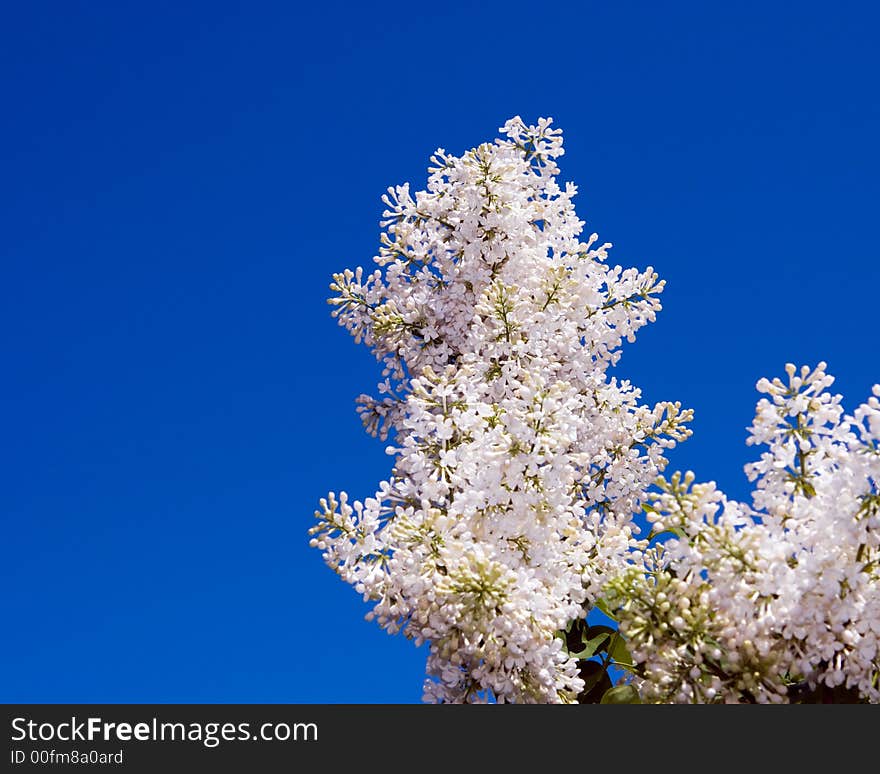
{"x": 591, "y": 645}
{"x": 595, "y": 631}
{"x": 574, "y": 635}
{"x": 591, "y": 672}
{"x": 621, "y": 694}
{"x": 675, "y": 531}
{"x": 619, "y": 652}
{"x": 596, "y": 682}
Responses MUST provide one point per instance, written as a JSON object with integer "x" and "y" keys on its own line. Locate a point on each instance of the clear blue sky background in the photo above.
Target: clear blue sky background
{"x": 179, "y": 180}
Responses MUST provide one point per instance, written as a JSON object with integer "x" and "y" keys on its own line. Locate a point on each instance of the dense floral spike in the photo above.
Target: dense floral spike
{"x": 519, "y": 463}
{"x": 764, "y": 603}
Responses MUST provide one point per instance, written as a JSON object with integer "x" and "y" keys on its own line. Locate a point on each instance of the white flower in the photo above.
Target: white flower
{"x": 518, "y": 463}
{"x": 782, "y": 593}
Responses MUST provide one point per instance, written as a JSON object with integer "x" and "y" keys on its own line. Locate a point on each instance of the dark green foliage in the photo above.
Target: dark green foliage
{"x": 599, "y": 650}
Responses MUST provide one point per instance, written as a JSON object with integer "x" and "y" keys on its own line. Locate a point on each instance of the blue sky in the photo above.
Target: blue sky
{"x": 181, "y": 179}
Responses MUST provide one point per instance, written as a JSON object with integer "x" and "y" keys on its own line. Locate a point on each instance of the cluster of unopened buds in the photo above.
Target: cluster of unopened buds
{"x": 779, "y": 600}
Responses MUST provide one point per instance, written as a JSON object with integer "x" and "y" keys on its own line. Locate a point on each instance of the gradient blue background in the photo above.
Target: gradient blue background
{"x": 179, "y": 180}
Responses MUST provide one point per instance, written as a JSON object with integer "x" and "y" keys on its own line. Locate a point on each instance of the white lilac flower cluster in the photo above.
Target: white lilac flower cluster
{"x": 519, "y": 463}
{"x": 753, "y": 604}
